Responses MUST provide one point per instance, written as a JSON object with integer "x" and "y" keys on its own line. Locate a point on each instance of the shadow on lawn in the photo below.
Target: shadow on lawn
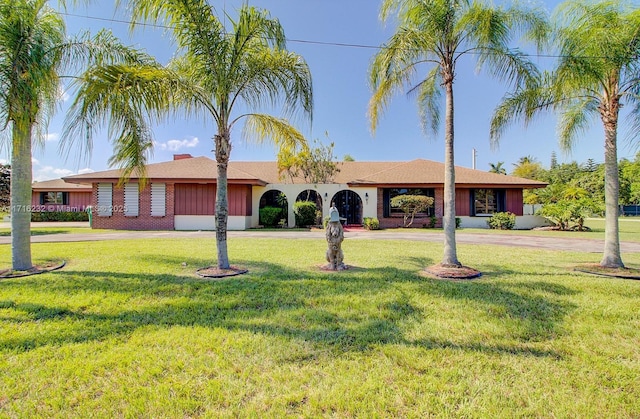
{"x": 348, "y": 311}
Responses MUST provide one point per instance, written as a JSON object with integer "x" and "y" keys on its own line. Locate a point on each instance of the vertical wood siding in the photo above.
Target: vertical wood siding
{"x": 463, "y": 202}
{"x": 514, "y": 201}
{"x": 78, "y": 201}
{"x": 197, "y": 199}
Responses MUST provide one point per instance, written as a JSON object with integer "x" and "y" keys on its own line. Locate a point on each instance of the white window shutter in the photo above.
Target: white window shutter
{"x": 131, "y": 199}
{"x": 105, "y": 199}
{"x": 158, "y": 199}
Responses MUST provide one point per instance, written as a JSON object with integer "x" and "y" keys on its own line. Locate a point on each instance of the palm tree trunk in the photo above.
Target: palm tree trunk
{"x": 21, "y": 175}
{"x": 223, "y": 149}
{"x": 449, "y": 216}
{"x": 611, "y": 257}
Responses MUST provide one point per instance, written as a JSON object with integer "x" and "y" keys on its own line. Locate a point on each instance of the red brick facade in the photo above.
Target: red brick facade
{"x": 144, "y": 220}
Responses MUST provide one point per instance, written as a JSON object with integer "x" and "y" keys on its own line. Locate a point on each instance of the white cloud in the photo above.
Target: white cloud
{"x": 175, "y": 145}
{"x": 85, "y": 170}
{"x": 54, "y": 136}
{"x": 41, "y": 173}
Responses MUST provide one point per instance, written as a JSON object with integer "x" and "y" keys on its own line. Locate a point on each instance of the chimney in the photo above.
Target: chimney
{"x": 182, "y": 156}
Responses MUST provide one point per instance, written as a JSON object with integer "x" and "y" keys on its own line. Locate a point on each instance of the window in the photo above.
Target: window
{"x": 131, "y": 195}
{"x": 105, "y": 199}
{"x": 54, "y": 198}
{"x": 487, "y": 201}
{"x": 158, "y": 193}
{"x": 388, "y": 194}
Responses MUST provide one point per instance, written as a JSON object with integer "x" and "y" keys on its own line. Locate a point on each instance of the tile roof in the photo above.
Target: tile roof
{"x": 414, "y": 172}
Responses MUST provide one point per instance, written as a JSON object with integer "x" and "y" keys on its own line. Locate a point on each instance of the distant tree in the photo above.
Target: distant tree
{"x": 313, "y": 164}
{"x": 497, "y": 168}
{"x": 348, "y": 157}
{"x": 554, "y": 160}
{"x": 525, "y": 160}
{"x": 411, "y": 205}
{"x": 529, "y": 170}
{"x": 5, "y": 185}
{"x": 590, "y": 165}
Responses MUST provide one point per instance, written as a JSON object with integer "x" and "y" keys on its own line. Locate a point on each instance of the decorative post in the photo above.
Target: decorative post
{"x": 335, "y": 236}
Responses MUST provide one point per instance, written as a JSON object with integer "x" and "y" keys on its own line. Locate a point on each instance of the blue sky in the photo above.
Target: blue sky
{"x": 341, "y": 96}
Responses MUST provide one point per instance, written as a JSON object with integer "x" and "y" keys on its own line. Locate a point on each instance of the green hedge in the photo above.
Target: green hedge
{"x": 305, "y": 213}
{"x": 270, "y": 216}
{"x": 60, "y": 216}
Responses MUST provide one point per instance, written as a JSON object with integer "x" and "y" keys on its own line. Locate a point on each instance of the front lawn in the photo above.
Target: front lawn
{"x": 127, "y": 330}
{"x": 629, "y": 230}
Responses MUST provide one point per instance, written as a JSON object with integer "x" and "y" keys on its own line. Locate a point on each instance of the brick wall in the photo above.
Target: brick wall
{"x": 144, "y": 220}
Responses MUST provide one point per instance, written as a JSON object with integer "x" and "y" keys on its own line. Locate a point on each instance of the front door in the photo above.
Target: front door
{"x": 349, "y": 206}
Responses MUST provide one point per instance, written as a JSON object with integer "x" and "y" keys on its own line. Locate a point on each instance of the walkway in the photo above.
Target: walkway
{"x": 539, "y": 242}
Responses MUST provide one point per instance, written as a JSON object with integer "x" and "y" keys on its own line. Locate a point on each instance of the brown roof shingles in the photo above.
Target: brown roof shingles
{"x": 414, "y": 172}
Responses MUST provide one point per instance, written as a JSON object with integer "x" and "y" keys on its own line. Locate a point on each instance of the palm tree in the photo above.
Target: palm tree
{"x": 598, "y": 69}
{"x": 497, "y": 168}
{"x": 216, "y": 75}
{"x": 436, "y": 34}
{"x": 34, "y": 53}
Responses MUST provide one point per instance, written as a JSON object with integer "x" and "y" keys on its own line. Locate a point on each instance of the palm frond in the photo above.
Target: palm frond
{"x": 261, "y": 127}
{"x": 575, "y": 118}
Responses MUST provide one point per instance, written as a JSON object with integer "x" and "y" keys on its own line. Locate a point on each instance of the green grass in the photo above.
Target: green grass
{"x": 629, "y": 230}
{"x": 125, "y": 330}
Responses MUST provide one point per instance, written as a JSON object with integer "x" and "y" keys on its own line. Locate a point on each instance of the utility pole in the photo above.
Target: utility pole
{"x": 474, "y": 155}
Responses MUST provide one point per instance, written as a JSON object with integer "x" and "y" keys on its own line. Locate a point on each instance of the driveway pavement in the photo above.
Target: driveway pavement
{"x": 553, "y": 243}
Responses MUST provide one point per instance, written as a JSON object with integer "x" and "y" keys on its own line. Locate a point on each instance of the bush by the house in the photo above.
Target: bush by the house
{"x": 411, "y": 205}
{"x": 502, "y": 221}
{"x": 371, "y": 223}
{"x": 270, "y": 216}
{"x": 305, "y": 213}
{"x": 458, "y": 222}
{"x": 60, "y": 216}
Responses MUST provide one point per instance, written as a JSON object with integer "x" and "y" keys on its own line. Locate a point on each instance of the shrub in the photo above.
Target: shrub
{"x": 325, "y": 221}
{"x": 60, "y": 216}
{"x": 411, "y": 205}
{"x": 502, "y": 221}
{"x": 458, "y": 222}
{"x": 269, "y": 216}
{"x": 305, "y": 213}
{"x": 371, "y": 223}
{"x": 433, "y": 220}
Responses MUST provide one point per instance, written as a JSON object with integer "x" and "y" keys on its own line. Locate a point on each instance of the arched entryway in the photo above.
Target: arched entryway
{"x": 270, "y": 202}
{"x": 349, "y": 206}
{"x": 311, "y": 195}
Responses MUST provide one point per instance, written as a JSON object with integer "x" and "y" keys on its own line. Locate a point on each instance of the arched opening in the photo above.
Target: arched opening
{"x": 349, "y": 206}
{"x": 311, "y": 195}
{"x": 273, "y": 209}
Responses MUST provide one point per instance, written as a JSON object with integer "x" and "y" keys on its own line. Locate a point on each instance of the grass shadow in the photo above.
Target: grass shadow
{"x": 351, "y": 311}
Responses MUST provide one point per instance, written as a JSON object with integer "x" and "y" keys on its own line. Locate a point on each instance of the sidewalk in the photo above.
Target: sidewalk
{"x": 537, "y": 242}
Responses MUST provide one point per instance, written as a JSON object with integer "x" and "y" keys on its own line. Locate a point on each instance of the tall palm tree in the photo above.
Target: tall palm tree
{"x": 34, "y": 53}
{"x": 598, "y": 70}
{"x": 436, "y": 34}
{"x": 498, "y": 168}
{"x": 218, "y": 76}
